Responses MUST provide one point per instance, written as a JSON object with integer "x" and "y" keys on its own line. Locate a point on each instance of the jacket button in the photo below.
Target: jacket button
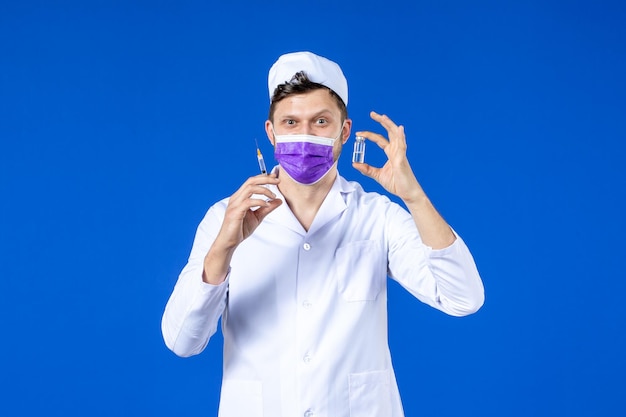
{"x": 309, "y": 413}
{"x": 306, "y": 246}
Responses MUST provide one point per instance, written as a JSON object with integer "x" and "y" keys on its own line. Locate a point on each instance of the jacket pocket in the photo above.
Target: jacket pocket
{"x": 360, "y": 270}
{"x": 370, "y": 394}
{"x": 241, "y": 398}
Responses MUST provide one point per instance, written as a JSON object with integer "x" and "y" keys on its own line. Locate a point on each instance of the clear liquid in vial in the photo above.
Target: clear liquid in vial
{"x": 359, "y": 150}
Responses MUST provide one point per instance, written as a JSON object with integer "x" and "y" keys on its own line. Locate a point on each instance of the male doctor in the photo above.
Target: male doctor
{"x": 296, "y": 263}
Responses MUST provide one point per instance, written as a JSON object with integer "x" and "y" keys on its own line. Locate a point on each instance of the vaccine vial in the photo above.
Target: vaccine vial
{"x": 359, "y": 150}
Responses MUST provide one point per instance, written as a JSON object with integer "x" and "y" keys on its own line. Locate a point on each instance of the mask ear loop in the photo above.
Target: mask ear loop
{"x": 274, "y": 133}
{"x": 341, "y": 131}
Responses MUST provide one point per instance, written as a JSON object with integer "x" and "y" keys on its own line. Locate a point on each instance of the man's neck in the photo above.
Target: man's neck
{"x": 306, "y": 200}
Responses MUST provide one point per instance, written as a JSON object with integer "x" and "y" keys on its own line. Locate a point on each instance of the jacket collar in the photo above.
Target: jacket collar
{"x": 333, "y": 205}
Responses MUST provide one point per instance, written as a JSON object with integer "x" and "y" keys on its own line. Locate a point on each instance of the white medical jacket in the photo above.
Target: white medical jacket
{"x": 304, "y": 314}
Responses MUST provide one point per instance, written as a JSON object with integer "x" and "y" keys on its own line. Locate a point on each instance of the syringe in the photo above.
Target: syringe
{"x": 259, "y": 157}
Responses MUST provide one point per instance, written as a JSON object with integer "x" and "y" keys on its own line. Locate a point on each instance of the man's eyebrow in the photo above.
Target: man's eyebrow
{"x": 323, "y": 111}
{"x": 313, "y": 116}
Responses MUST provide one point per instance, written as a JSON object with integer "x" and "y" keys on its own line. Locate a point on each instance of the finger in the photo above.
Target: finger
{"x": 396, "y": 132}
{"x": 378, "y": 139}
{"x": 250, "y": 189}
{"x": 399, "y": 139}
{"x": 260, "y": 190}
{"x": 261, "y": 179}
{"x": 366, "y": 169}
{"x": 241, "y": 202}
{"x": 256, "y": 202}
{"x": 384, "y": 120}
{"x": 267, "y": 209}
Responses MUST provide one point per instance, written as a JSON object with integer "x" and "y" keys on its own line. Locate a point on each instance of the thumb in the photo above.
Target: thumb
{"x": 261, "y": 212}
{"x": 365, "y": 169}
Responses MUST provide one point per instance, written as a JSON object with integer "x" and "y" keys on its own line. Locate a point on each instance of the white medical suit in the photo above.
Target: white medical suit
{"x": 304, "y": 314}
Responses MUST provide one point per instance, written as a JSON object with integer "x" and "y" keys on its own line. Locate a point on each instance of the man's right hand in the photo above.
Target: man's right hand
{"x": 245, "y": 211}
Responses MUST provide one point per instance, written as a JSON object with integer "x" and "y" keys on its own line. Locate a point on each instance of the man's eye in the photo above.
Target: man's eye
{"x": 290, "y": 122}
{"x": 321, "y": 121}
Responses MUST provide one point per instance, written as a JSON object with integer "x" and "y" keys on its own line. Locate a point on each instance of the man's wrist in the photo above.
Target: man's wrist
{"x": 216, "y": 265}
{"x": 213, "y": 278}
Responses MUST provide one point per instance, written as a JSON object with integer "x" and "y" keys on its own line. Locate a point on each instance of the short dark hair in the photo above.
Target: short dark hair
{"x": 301, "y": 84}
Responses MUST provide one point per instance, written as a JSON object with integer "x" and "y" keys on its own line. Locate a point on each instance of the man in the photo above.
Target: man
{"x": 296, "y": 262}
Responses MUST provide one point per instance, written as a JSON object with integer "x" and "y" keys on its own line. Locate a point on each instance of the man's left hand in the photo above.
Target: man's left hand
{"x": 396, "y": 176}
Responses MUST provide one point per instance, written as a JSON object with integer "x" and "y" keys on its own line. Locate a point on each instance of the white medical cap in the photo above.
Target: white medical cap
{"x": 319, "y": 70}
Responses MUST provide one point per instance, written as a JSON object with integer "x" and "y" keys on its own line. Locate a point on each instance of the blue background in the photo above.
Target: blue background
{"x": 122, "y": 122}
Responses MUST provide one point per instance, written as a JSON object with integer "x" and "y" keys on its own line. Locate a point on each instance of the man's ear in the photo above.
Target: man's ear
{"x": 270, "y": 132}
{"x": 345, "y": 133}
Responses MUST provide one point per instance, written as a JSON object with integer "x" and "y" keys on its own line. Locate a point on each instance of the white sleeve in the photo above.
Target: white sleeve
{"x": 194, "y": 308}
{"x": 446, "y": 279}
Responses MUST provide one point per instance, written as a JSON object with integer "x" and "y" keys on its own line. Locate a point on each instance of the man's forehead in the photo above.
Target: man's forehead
{"x": 311, "y": 103}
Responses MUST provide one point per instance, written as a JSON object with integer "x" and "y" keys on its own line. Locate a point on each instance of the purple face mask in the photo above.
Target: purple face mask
{"x": 305, "y": 158}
